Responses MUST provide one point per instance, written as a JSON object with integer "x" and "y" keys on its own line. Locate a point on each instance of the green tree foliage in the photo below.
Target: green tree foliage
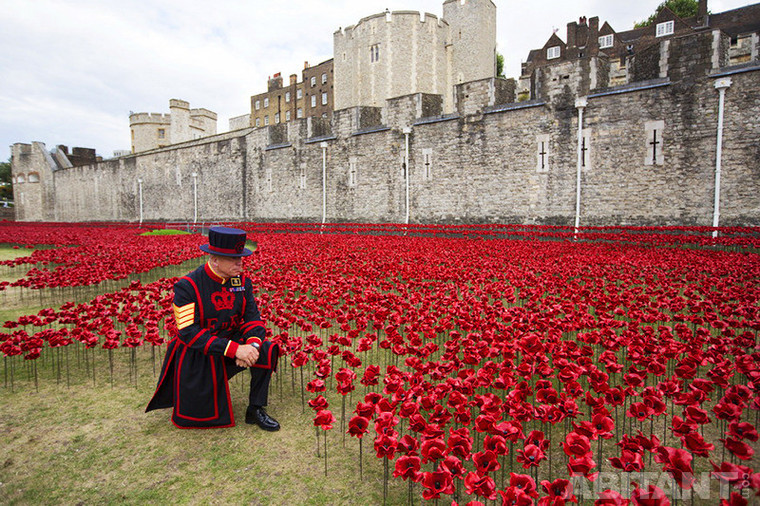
{"x": 681, "y": 8}
{"x": 6, "y": 190}
{"x": 499, "y": 64}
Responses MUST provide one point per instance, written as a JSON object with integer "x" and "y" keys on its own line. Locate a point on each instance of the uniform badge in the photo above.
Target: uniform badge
{"x": 236, "y": 282}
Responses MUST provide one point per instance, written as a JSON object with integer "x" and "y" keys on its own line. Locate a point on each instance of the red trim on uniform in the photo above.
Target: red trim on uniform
{"x": 163, "y": 376}
{"x": 216, "y": 398}
{"x": 254, "y": 339}
{"x": 207, "y": 427}
{"x": 245, "y": 301}
{"x": 208, "y": 344}
{"x": 197, "y": 298}
{"x": 229, "y": 399}
{"x": 213, "y": 275}
{"x": 249, "y": 325}
{"x": 192, "y": 341}
{"x": 232, "y": 349}
{"x": 269, "y": 364}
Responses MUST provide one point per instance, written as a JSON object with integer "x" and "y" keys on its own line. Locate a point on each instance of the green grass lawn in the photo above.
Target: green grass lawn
{"x": 92, "y": 443}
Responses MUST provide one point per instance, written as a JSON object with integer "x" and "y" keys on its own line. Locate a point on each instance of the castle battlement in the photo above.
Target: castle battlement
{"x": 405, "y": 16}
{"x": 396, "y": 53}
{"x": 156, "y": 130}
{"x": 139, "y": 118}
{"x": 197, "y": 113}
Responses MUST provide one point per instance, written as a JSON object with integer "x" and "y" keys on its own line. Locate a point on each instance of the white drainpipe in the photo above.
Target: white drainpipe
{"x": 721, "y": 85}
{"x": 323, "y": 145}
{"x": 407, "y": 131}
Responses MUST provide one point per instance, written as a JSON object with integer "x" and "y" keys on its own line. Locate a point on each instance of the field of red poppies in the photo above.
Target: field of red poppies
{"x": 513, "y": 364}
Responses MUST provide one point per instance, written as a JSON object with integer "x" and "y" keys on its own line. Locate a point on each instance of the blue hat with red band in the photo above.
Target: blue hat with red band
{"x": 226, "y": 242}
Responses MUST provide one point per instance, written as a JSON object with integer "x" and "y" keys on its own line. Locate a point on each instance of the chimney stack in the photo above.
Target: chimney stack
{"x": 702, "y": 17}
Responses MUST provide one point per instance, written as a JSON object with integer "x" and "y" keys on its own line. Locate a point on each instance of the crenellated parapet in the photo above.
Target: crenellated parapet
{"x": 399, "y": 53}
{"x": 156, "y": 130}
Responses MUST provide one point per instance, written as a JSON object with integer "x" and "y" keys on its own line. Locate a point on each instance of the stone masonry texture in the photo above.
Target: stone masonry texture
{"x": 481, "y": 166}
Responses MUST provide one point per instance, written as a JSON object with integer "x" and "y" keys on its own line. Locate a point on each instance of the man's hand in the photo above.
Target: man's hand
{"x": 246, "y": 355}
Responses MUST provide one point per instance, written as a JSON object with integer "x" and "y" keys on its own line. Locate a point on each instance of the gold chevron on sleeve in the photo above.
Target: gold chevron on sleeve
{"x": 184, "y": 315}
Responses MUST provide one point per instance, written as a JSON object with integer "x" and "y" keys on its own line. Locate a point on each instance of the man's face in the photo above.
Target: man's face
{"x": 227, "y": 267}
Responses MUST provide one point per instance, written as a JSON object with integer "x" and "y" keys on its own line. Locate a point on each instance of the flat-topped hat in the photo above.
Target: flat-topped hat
{"x": 226, "y": 242}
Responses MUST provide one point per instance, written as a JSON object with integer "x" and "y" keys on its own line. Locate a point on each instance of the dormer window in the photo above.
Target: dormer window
{"x": 666, "y": 28}
{"x": 606, "y": 41}
{"x": 552, "y": 53}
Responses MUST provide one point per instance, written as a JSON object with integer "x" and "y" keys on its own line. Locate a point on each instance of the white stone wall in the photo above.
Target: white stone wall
{"x": 152, "y": 131}
{"x": 473, "y": 38}
{"x": 180, "y": 125}
{"x": 242, "y": 121}
{"x": 411, "y": 58}
{"x": 145, "y": 131}
{"x": 416, "y": 53}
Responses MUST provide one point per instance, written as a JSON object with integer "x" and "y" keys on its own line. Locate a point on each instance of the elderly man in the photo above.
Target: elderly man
{"x": 220, "y": 333}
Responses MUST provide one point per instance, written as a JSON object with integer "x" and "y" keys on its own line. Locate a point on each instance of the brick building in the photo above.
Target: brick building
{"x": 309, "y": 98}
{"x": 609, "y": 53}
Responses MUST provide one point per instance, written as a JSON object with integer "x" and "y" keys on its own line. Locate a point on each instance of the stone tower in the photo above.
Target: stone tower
{"x": 472, "y": 24}
{"x": 399, "y": 53}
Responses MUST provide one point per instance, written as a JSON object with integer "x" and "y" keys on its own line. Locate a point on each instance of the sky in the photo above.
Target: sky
{"x": 72, "y": 71}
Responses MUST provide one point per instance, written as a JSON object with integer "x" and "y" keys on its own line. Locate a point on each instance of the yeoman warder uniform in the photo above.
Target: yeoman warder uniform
{"x": 214, "y": 316}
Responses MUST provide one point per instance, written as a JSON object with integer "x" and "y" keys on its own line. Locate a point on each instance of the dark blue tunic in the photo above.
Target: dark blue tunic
{"x": 214, "y": 316}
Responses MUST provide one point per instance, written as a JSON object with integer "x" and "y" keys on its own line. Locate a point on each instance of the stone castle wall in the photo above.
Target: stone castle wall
{"x": 649, "y": 154}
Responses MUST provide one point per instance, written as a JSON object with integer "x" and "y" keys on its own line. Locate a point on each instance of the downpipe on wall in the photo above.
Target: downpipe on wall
{"x": 721, "y": 85}
{"x": 323, "y": 145}
{"x": 407, "y": 131}
{"x": 580, "y": 104}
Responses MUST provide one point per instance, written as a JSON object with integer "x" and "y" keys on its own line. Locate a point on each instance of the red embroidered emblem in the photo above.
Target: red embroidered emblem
{"x": 239, "y": 246}
{"x": 222, "y": 300}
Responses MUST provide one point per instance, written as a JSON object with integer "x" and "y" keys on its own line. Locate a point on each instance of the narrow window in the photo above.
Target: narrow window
{"x": 324, "y": 77}
{"x": 277, "y": 117}
{"x": 586, "y": 149}
{"x": 374, "y": 53}
{"x": 352, "y": 172}
{"x": 266, "y": 102}
{"x": 269, "y": 180}
{"x": 654, "y": 145}
{"x": 287, "y": 115}
{"x": 258, "y": 122}
{"x": 427, "y": 164}
{"x": 258, "y": 105}
{"x": 161, "y": 133}
{"x": 266, "y": 120}
{"x": 542, "y": 153}
{"x": 299, "y": 93}
{"x": 313, "y": 100}
{"x": 287, "y": 96}
{"x": 313, "y": 81}
{"x": 324, "y": 98}
{"x": 299, "y": 113}
{"x": 552, "y": 53}
{"x": 302, "y": 177}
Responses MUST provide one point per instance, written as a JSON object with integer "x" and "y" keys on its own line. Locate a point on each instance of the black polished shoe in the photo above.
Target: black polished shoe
{"x": 258, "y": 416}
